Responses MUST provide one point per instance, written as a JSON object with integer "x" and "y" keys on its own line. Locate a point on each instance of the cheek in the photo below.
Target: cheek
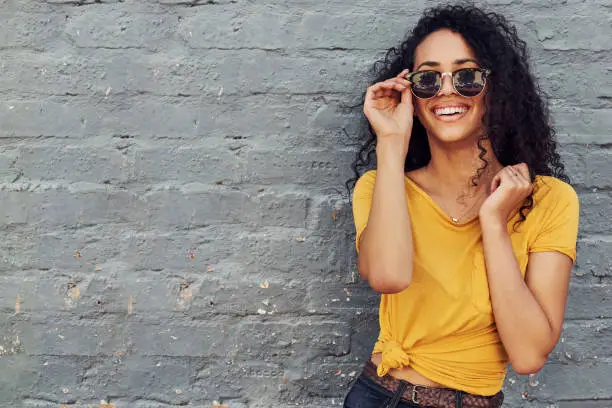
{"x": 479, "y": 107}
{"x": 419, "y": 107}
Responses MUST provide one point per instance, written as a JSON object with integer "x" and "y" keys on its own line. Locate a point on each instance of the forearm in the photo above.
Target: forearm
{"x": 386, "y": 249}
{"x": 523, "y": 326}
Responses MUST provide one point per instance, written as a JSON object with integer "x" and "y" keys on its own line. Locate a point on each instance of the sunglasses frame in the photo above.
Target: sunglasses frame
{"x": 485, "y": 71}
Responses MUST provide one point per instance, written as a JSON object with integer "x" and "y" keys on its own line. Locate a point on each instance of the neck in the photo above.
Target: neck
{"x": 454, "y": 166}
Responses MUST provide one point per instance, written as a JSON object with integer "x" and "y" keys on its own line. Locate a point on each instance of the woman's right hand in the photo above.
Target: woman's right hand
{"x": 388, "y": 107}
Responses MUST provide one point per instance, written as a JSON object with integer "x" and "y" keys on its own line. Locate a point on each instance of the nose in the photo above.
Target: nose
{"x": 447, "y": 84}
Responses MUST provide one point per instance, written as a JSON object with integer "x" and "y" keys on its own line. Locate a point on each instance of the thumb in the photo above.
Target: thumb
{"x": 406, "y": 102}
{"x": 407, "y": 96}
{"x": 495, "y": 183}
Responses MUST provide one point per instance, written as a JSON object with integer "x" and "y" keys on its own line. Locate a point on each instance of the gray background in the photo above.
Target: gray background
{"x": 172, "y": 219}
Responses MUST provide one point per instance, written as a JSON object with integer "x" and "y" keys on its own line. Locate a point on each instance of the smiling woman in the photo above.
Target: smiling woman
{"x": 467, "y": 226}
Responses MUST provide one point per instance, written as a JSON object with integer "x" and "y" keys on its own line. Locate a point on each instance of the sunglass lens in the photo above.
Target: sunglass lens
{"x": 426, "y": 84}
{"x": 469, "y": 82}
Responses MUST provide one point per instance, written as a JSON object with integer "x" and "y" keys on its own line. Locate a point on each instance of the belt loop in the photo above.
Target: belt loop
{"x": 459, "y": 399}
{"x": 398, "y": 395}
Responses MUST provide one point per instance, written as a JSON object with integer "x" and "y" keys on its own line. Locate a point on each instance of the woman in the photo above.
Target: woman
{"x": 467, "y": 226}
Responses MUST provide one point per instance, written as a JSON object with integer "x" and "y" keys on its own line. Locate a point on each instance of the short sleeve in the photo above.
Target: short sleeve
{"x": 362, "y": 202}
{"x": 559, "y": 224}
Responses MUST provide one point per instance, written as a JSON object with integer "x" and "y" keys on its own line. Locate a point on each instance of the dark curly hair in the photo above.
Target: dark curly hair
{"x": 516, "y": 119}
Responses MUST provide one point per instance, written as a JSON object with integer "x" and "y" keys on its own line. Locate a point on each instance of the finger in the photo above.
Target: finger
{"x": 495, "y": 183}
{"x": 401, "y": 80}
{"x": 511, "y": 173}
{"x": 523, "y": 169}
{"x": 520, "y": 177}
{"x": 399, "y": 84}
{"x": 524, "y": 178}
{"x": 370, "y": 93}
{"x": 507, "y": 177}
{"x": 403, "y": 74}
{"x": 388, "y": 85}
{"x": 407, "y": 96}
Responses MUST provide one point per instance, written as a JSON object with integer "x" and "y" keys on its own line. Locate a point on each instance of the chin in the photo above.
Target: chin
{"x": 454, "y": 135}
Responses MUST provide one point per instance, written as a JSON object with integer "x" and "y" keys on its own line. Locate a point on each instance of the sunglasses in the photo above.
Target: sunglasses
{"x": 468, "y": 82}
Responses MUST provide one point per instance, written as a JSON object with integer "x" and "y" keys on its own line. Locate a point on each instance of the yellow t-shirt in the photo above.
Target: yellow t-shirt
{"x": 442, "y": 325}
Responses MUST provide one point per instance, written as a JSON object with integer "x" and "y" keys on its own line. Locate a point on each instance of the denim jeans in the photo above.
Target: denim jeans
{"x": 367, "y": 394}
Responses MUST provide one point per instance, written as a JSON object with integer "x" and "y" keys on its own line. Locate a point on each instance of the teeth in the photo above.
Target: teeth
{"x": 451, "y": 110}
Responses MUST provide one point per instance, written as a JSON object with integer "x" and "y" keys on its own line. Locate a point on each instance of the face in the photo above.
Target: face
{"x": 448, "y": 117}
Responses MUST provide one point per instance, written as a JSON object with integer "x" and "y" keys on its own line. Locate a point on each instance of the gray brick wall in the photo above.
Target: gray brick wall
{"x": 171, "y": 210}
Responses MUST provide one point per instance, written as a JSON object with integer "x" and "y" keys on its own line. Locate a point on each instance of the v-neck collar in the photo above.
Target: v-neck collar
{"x": 447, "y": 218}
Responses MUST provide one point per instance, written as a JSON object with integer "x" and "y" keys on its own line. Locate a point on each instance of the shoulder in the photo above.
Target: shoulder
{"x": 364, "y": 187}
{"x": 550, "y": 193}
{"x": 548, "y": 188}
{"x": 367, "y": 177}
{"x": 365, "y": 183}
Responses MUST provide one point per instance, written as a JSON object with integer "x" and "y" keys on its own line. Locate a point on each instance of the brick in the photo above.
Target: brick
{"x": 79, "y": 338}
{"x": 57, "y": 379}
{"x": 268, "y": 254}
{"x": 342, "y": 298}
{"x": 180, "y": 118}
{"x": 302, "y": 341}
{"x": 584, "y": 340}
{"x": 585, "y": 404}
{"x": 271, "y": 29}
{"x": 20, "y": 379}
{"x": 366, "y": 328}
{"x": 195, "y": 206}
{"x": 219, "y": 380}
{"x": 72, "y": 163}
{"x": 76, "y": 252}
{"x": 598, "y": 168}
{"x": 577, "y": 125}
{"x": 32, "y": 119}
{"x": 189, "y": 163}
{"x": 25, "y": 294}
{"x": 8, "y": 172}
{"x": 83, "y": 205}
{"x": 573, "y": 157}
{"x": 115, "y": 28}
{"x": 594, "y": 257}
{"x": 323, "y": 167}
{"x": 75, "y": 117}
{"x": 34, "y": 31}
{"x": 593, "y": 210}
{"x": 588, "y": 88}
{"x": 249, "y": 298}
{"x": 577, "y": 32}
{"x": 585, "y": 301}
{"x": 573, "y": 382}
{"x": 157, "y": 380}
{"x": 331, "y": 214}
{"x": 188, "y": 252}
{"x": 160, "y": 338}
{"x": 325, "y": 380}
{"x": 588, "y": 165}
{"x": 224, "y": 72}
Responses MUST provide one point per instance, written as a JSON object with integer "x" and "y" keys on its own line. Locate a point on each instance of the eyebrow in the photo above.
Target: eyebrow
{"x": 456, "y": 62}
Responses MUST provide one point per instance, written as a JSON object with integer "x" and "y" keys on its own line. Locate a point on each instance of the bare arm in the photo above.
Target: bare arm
{"x": 385, "y": 255}
{"x": 528, "y": 314}
{"x": 386, "y": 250}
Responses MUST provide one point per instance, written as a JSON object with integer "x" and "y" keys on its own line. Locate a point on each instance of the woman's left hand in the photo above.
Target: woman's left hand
{"x": 509, "y": 189}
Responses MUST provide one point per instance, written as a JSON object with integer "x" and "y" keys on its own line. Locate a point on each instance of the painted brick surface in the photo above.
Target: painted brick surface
{"x": 174, "y": 230}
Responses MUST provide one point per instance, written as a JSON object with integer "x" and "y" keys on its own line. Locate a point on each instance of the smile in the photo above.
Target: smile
{"x": 450, "y": 113}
